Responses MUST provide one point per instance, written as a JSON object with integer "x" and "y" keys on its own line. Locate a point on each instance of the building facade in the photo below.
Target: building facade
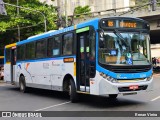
{"x": 95, "y": 5}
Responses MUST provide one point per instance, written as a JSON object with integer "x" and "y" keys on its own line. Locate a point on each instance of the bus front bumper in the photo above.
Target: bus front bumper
{"x": 125, "y": 88}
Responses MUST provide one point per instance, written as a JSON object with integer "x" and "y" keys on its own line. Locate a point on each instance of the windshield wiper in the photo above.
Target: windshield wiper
{"x": 121, "y": 37}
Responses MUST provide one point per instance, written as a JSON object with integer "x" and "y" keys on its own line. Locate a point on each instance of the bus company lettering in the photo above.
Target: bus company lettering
{"x": 55, "y": 64}
{"x": 46, "y": 65}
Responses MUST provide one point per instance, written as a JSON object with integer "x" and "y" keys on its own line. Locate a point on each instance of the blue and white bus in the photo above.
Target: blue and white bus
{"x": 105, "y": 57}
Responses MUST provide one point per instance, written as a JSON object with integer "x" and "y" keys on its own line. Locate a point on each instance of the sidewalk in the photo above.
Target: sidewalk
{"x": 2, "y": 81}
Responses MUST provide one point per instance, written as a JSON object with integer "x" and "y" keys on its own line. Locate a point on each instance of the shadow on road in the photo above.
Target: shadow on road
{"x": 86, "y": 100}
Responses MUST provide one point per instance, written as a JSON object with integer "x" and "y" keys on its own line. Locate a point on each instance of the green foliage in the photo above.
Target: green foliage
{"x": 141, "y": 2}
{"x": 82, "y": 10}
{"x": 29, "y": 21}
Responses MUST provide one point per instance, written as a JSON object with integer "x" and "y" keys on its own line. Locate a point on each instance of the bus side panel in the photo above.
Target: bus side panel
{"x": 59, "y": 70}
{"x": 46, "y": 74}
{"x": 22, "y": 69}
{"x": 40, "y": 74}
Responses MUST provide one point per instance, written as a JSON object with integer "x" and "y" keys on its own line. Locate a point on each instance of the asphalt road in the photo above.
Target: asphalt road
{"x": 44, "y": 100}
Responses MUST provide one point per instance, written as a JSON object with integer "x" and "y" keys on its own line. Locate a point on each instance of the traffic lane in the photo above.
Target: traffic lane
{"x": 38, "y": 99}
{"x": 12, "y": 99}
{"x": 140, "y": 102}
{"x": 41, "y": 100}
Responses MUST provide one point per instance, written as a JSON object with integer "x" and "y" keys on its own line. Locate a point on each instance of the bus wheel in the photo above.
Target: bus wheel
{"x": 113, "y": 96}
{"x": 72, "y": 92}
{"x": 22, "y": 84}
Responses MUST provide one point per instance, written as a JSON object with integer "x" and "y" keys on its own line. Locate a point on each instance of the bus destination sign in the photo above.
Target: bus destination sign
{"x": 128, "y": 24}
{"x": 116, "y": 23}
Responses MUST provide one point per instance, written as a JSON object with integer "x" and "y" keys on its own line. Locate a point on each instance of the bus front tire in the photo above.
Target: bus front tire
{"x": 72, "y": 92}
{"x": 113, "y": 96}
{"x": 22, "y": 84}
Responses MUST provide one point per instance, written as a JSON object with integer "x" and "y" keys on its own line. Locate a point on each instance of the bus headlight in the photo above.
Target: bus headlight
{"x": 109, "y": 78}
{"x": 113, "y": 80}
{"x": 149, "y": 78}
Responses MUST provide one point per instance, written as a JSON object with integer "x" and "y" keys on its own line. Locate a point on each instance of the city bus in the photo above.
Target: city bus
{"x": 103, "y": 57}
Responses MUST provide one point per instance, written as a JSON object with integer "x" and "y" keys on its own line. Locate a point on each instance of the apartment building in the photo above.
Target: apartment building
{"x": 95, "y": 5}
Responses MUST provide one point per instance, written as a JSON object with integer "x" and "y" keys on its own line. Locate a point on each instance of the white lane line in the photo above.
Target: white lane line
{"x": 156, "y": 98}
{"x": 53, "y": 106}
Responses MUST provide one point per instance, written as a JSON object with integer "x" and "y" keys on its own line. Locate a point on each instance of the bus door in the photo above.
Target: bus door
{"x": 13, "y": 63}
{"x": 9, "y": 67}
{"x": 84, "y": 61}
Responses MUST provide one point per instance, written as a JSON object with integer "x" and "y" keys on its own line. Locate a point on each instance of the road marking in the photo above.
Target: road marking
{"x": 155, "y": 98}
{"x": 54, "y": 106}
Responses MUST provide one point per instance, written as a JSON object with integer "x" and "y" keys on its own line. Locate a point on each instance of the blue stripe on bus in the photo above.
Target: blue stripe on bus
{"x": 46, "y": 59}
{"x": 93, "y": 22}
{"x": 125, "y": 75}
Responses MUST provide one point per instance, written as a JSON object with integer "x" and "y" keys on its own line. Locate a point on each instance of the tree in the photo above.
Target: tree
{"x": 81, "y": 10}
{"x": 30, "y": 22}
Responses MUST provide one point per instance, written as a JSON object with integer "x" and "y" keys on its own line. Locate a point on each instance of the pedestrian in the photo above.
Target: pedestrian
{"x": 154, "y": 61}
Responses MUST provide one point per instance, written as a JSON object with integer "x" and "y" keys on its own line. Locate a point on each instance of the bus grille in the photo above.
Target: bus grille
{"x": 126, "y": 89}
{"x": 131, "y": 69}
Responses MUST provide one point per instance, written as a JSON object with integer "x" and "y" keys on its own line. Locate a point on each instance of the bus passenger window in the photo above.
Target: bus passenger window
{"x": 53, "y": 46}
{"x": 41, "y": 49}
{"x": 30, "y": 50}
{"x": 56, "y": 46}
{"x": 67, "y": 44}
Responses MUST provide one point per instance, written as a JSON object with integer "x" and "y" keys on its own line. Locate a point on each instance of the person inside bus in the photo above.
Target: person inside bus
{"x": 68, "y": 47}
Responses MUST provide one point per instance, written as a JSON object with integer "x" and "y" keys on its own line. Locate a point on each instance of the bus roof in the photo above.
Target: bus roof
{"x": 10, "y": 45}
{"x": 92, "y": 22}
{"x": 55, "y": 32}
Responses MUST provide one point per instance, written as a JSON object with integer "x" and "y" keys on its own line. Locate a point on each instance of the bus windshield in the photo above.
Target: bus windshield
{"x": 124, "y": 48}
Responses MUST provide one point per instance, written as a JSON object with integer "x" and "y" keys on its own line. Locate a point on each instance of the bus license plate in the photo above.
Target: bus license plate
{"x": 133, "y": 87}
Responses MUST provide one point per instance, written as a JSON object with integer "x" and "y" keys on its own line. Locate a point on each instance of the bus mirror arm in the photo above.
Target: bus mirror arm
{"x": 101, "y": 32}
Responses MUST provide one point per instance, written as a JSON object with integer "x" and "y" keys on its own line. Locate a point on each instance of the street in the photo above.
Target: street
{"x": 11, "y": 99}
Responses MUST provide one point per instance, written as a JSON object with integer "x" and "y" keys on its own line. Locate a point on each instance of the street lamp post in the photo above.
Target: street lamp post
{"x": 45, "y": 25}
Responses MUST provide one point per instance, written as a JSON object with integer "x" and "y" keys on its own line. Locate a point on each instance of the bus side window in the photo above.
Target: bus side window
{"x": 53, "y": 46}
{"x": 30, "y": 50}
{"x": 41, "y": 49}
{"x": 21, "y": 52}
{"x": 56, "y": 46}
{"x": 68, "y": 44}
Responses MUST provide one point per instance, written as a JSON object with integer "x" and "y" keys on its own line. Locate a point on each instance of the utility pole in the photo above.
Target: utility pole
{"x": 66, "y": 13}
{"x": 154, "y": 3}
{"x": 19, "y": 32}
